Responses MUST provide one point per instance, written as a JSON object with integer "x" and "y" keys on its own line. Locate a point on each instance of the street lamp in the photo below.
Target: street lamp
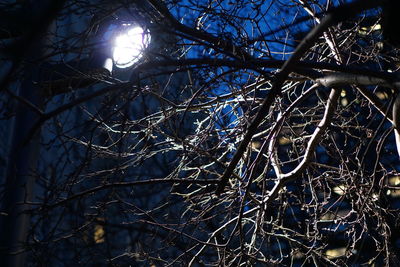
{"x": 123, "y": 45}
{"x": 129, "y": 44}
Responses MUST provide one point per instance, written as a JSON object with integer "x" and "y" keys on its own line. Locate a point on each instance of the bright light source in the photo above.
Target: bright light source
{"x": 129, "y": 46}
{"x": 108, "y": 64}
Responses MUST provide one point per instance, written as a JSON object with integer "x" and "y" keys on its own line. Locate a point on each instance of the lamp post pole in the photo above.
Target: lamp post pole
{"x": 19, "y": 179}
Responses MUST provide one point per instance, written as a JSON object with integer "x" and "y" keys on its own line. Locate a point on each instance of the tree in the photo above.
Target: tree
{"x": 249, "y": 134}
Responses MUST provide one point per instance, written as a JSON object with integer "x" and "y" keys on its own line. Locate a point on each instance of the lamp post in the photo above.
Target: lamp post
{"x": 128, "y": 43}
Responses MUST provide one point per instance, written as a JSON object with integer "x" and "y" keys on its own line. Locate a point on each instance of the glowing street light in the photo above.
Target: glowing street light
{"x": 129, "y": 45}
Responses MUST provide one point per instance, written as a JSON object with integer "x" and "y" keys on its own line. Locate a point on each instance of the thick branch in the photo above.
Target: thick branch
{"x": 68, "y": 84}
{"x": 338, "y": 79}
{"x": 312, "y": 143}
{"x": 396, "y": 121}
{"x": 225, "y": 45}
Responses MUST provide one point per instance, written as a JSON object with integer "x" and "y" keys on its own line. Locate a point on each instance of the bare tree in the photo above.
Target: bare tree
{"x": 249, "y": 133}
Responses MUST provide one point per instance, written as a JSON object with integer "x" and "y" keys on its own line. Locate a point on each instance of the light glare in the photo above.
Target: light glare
{"x": 129, "y": 46}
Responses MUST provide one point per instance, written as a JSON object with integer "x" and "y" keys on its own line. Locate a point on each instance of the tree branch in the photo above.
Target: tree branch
{"x": 312, "y": 143}
{"x": 337, "y": 15}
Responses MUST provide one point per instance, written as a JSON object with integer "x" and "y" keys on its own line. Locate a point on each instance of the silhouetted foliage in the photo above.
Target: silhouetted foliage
{"x": 250, "y": 133}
